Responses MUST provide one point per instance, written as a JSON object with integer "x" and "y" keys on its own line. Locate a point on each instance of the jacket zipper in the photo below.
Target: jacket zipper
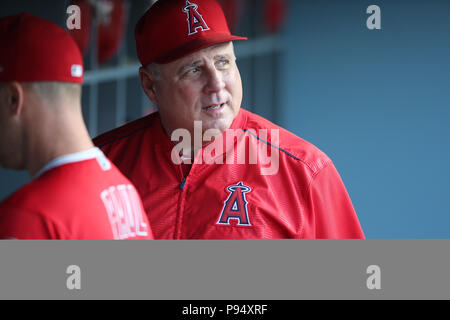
{"x": 182, "y": 184}
{"x": 180, "y": 209}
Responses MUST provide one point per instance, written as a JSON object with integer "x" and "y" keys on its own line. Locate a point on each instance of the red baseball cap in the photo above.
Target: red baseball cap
{"x": 35, "y": 49}
{"x": 172, "y": 29}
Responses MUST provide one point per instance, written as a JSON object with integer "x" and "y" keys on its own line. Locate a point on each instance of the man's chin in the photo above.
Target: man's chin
{"x": 221, "y": 120}
{"x": 221, "y": 124}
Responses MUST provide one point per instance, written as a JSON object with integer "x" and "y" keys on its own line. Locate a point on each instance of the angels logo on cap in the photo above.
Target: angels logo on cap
{"x": 194, "y": 18}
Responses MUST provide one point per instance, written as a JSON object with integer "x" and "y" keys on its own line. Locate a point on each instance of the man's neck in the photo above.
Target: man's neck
{"x": 55, "y": 139}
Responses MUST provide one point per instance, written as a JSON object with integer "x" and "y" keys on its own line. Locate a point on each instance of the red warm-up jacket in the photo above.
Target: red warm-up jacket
{"x": 302, "y": 196}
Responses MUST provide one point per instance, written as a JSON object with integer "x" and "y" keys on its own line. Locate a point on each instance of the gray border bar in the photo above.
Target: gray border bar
{"x": 225, "y": 270}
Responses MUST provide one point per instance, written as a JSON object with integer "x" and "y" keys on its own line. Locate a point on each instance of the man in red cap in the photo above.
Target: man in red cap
{"x": 76, "y": 193}
{"x": 218, "y": 182}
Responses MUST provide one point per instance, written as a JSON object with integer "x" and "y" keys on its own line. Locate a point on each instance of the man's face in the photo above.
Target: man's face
{"x": 204, "y": 86}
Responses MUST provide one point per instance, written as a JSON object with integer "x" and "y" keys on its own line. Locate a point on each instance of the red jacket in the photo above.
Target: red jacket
{"x": 304, "y": 199}
{"x": 83, "y": 199}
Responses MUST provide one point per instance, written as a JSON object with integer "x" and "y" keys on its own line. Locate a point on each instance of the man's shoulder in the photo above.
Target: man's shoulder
{"x": 290, "y": 145}
{"x": 65, "y": 188}
{"x": 127, "y": 130}
{"x": 24, "y": 198}
{"x": 60, "y": 184}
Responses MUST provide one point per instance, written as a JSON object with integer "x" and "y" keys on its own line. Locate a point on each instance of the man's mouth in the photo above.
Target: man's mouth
{"x": 214, "y": 107}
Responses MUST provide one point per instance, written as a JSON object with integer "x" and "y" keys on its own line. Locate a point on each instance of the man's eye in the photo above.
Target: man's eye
{"x": 192, "y": 71}
{"x": 223, "y": 63}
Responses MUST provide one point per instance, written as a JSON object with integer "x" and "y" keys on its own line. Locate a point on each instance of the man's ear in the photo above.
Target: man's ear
{"x": 14, "y": 98}
{"x": 148, "y": 84}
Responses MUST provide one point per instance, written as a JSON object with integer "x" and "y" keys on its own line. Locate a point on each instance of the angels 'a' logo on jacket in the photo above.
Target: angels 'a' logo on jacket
{"x": 235, "y": 207}
{"x": 194, "y": 18}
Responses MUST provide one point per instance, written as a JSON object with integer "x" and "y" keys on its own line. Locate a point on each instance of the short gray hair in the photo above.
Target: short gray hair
{"x": 51, "y": 93}
{"x": 154, "y": 70}
{"x": 55, "y": 90}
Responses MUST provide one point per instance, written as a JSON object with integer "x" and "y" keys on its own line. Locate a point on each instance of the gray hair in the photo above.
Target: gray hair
{"x": 55, "y": 90}
{"x": 51, "y": 93}
{"x": 154, "y": 70}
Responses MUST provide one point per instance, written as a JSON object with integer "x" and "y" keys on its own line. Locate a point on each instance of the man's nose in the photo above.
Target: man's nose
{"x": 215, "y": 81}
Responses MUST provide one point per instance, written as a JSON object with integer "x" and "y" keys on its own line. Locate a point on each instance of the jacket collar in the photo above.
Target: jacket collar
{"x": 239, "y": 122}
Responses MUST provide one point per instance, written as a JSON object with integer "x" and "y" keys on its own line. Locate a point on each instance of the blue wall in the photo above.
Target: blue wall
{"x": 378, "y": 103}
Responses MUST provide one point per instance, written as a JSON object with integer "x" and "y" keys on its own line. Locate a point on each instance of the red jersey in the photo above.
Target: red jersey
{"x": 76, "y": 196}
{"x": 304, "y": 198}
